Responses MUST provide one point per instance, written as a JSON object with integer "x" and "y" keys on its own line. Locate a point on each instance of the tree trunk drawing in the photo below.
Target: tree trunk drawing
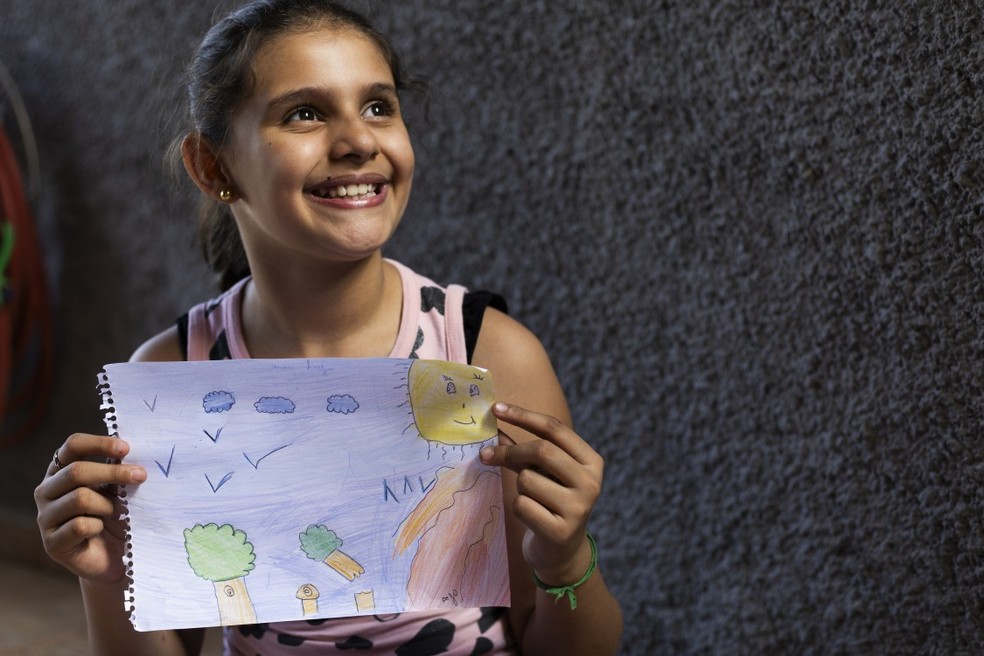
{"x": 222, "y": 555}
{"x": 235, "y": 606}
{"x": 342, "y": 563}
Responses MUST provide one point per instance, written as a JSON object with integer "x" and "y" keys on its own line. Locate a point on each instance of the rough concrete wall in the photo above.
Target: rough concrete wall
{"x": 749, "y": 233}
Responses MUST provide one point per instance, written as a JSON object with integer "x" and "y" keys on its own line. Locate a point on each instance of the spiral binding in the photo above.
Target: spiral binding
{"x": 108, "y": 406}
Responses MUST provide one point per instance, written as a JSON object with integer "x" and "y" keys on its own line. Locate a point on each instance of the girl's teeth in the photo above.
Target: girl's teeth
{"x": 352, "y": 190}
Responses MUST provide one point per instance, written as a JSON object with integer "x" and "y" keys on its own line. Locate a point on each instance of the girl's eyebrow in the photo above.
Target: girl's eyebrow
{"x": 381, "y": 88}
{"x": 304, "y": 94}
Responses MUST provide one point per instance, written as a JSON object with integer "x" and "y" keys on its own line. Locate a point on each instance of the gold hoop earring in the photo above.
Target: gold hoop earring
{"x": 225, "y": 195}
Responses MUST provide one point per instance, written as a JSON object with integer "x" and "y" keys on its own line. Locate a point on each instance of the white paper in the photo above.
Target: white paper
{"x": 302, "y": 489}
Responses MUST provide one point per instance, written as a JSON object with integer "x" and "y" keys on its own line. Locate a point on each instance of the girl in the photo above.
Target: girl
{"x": 299, "y": 146}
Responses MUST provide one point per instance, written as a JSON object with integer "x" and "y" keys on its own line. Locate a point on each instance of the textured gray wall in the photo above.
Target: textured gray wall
{"x": 750, "y": 233}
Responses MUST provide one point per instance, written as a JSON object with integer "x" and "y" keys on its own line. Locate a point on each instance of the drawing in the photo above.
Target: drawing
{"x": 342, "y": 403}
{"x": 364, "y": 601}
{"x": 308, "y": 594}
{"x": 382, "y": 452}
{"x": 256, "y": 463}
{"x": 454, "y": 551}
{"x": 450, "y": 404}
{"x": 222, "y": 555}
{"x": 274, "y": 405}
{"x": 214, "y": 438}
{"x": 319, "y": 543}
{"x": 218, "y": 401}
{"x": 166, "y": 470}
{"x": 222, "y": 481}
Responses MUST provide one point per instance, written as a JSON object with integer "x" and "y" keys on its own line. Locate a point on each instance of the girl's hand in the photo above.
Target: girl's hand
{"x": 78, "y": 510}
{"x": 558, "y": 481}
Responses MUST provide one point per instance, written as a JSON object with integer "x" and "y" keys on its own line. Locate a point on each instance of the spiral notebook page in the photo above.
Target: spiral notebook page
{"x": 304, "y": 489}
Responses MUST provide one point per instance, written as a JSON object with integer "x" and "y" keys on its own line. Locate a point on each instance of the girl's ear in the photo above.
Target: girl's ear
{"x": 202, "y": 162}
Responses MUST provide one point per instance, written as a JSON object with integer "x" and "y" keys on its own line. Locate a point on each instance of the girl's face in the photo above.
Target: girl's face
{"x": 319, "y": 155}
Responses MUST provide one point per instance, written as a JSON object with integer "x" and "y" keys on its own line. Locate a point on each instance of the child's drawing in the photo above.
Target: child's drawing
{"x": 166, "y": 470}
{"x": 364, "y": 601}
{"x": 213, "y": 436}
{"x": 342, "y": 403}
{"x": 308, "y": 594}
{"x": 219, "y": 481}
{"x": 380, "y": 452}
{"x": 273, "y": 405}
{"x": 222, "y": 555}
{"x": 459, "y": 531}
{"x": 216, "y": 401}
{"x": 319, "y": 543}
{"x": 458, "y": 525}
{"x": 450, "y": 405}
{"x": 256, "y": 463}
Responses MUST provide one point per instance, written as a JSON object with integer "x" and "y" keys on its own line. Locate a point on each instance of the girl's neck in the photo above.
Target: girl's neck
{"x": 344, "y": 310}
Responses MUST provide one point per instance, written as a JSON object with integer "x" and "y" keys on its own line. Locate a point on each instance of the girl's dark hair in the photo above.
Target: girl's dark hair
{"x": 220, "y": 78}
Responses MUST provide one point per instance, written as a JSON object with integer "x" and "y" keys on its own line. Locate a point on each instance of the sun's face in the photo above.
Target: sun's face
{"x": 452, "y": 403}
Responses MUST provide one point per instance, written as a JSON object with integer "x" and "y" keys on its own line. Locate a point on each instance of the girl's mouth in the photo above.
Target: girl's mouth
{"x": 353, "y": 191}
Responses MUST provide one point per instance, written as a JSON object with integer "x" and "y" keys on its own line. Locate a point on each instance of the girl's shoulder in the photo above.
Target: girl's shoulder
{"x": 505, "y": 339}
{"x": 521, "y": 368}
{"x": 165, "y": 346}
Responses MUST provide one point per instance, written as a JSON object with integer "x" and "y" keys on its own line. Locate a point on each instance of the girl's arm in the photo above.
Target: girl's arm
{"x": 78, "y": 513}
{"x": 111, "y": 633}
{"x": 551, "y": 480}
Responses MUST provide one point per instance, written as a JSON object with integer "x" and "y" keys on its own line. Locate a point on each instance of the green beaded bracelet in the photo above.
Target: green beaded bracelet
{"x": 569, "y": 589}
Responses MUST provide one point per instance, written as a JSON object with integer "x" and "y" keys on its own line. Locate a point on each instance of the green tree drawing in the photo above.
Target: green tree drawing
{"x": 319, "y": 543}
{"x": 222, "y": 555}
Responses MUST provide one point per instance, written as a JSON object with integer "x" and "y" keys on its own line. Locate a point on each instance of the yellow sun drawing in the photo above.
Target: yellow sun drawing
{"x": 452, "y": 403}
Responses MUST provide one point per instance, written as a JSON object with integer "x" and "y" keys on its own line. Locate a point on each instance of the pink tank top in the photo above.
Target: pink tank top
{"x": 431, "y": 327}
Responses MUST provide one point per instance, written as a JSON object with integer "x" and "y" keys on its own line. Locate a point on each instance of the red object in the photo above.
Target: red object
{"x": 26, "y": 338}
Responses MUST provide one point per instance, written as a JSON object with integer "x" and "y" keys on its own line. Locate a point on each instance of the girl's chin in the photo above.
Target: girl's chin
{"x": 332, "y": 239}
{"x": 355, "y": 251}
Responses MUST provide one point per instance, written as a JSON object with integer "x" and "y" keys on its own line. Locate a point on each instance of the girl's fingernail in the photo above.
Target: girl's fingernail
{"x": 118, "y": 448}
{"x": 138, "y": 475}
{"x": 501, "y": 407}
{"x": 486, "y": 453}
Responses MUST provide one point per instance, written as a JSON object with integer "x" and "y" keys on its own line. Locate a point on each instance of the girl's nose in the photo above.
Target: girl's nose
{"x": 354, "y": 140}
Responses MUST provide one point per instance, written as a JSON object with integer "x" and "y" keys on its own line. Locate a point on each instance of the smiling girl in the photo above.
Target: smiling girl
{"x": 299, "y": 146}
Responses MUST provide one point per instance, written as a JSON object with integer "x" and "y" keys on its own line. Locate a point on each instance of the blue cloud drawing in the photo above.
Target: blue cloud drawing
{"x": 342, "y": 403}
{"x": 274, "y": 405}
{"x": 218, "y": 401}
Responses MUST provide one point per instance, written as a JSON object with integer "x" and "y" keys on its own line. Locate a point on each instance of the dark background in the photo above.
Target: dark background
{"x": 749, "y": 233}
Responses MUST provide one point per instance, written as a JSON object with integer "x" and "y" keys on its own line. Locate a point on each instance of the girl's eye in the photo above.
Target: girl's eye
{"x": 302, "y": 114}
{"x": 473, "y": 390}
{"x": 452, "y": 389}
{"x": 377, "y": 109}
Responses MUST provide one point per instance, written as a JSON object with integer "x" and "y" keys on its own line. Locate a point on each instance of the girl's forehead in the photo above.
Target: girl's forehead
{"x": 317, "y": 57}
{"x": 323, "y": 43}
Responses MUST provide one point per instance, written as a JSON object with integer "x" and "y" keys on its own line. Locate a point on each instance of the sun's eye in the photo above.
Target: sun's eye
{"x": 452, "y": 389}
{"x": 473, "y": 390}
{"x": 302, "y": 114}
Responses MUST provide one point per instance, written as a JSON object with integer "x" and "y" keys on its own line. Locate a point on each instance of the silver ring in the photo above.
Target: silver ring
{"x": 58, "y": 463}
